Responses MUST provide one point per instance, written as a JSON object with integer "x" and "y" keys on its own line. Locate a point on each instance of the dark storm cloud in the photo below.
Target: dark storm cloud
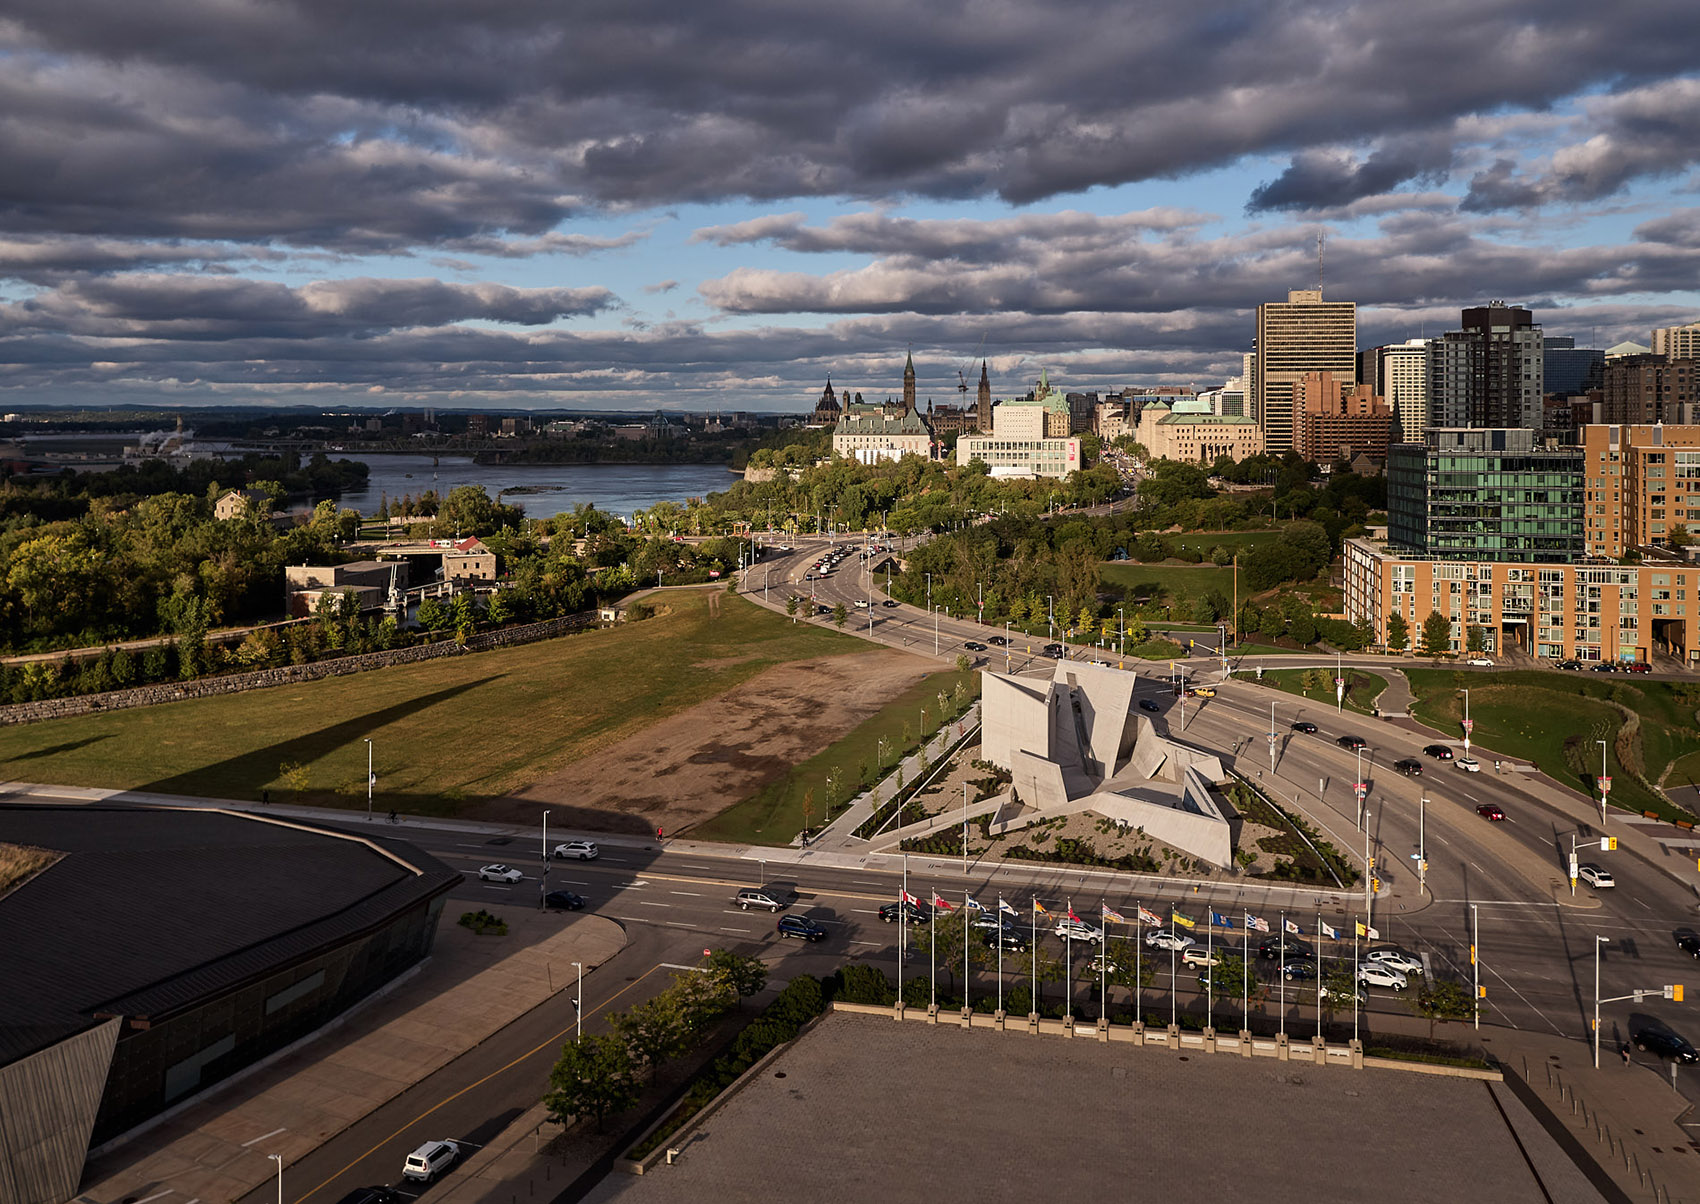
{"x": 216, "y": 308}
{"x": 1320, "y": 179}
{"x": 317, "y": 122}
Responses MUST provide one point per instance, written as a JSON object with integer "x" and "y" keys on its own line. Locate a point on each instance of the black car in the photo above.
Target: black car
{"x": 1605, "y": 667}
{"x": 917, "y": 913}
{"x": 1438, "y": 751}
{"x": 1298, "y": 969}
{"x": 801, "y": 926}
{"x": 1308, "y": 729}
{"x": 1351, "y": 743}
{"x": 1145, "y": 704}
{"x": 1271, "y": 948}
{"x": 1665, "y": 1045}
{"x": 1410, "y": 767}
{"x": 889, "y": 602}
{"x": 563, "y": 900}
{"x": 1012, "y": 941}
{"x": 996, "y": 639}
{"x": 1572, "y": 666}
{"x": 370, "y": 1195}
{"x": 1052, "y": 650}
{"x": 1689, "y": 944}
{"x": 974, "y": 646}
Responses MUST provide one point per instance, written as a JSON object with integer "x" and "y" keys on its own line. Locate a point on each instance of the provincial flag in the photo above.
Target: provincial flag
{"x": 1364, "y": 930}
{"x": 1149, "y": 917}
{"x": 1220, "y": 920}
{"x": 1255, "y": 923}
{"x": 1039, "y": 908}
{"x": 970, "y": 903}
{"x": 1005, "y": 907}
{"x": 1176, "y": 917}
{"x": 1071, "y": 914}
{"x": 1114, "y": 916}
{"x": 940, "y": 904}
{"x": 906, "y": 897}
{"x": 1332, "y": 934}
{"x": 1292, "y": 927}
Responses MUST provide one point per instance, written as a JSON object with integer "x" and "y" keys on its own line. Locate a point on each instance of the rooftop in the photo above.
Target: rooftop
{"x": 150, "y": 910}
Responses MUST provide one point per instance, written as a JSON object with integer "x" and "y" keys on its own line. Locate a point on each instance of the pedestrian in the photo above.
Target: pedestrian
{"x": 1624, "y": 1050}
{"x": 392, "y": 815}
{"x": 659, "y": 834}
{"x": 265, "y": 797}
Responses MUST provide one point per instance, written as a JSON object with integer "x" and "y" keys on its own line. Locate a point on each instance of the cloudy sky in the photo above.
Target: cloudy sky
{"x": 672, "y": 203}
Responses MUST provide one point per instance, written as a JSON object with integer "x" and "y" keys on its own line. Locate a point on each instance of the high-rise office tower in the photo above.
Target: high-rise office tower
{"x": 1302, "y": 334}
{"x": 1489, "y": 374}
{"x": 1570, "y": 369}
{"x": 1403, "y": 372}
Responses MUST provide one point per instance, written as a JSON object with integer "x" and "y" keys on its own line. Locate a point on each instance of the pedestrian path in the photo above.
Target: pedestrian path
{"x": 840, "y": 835}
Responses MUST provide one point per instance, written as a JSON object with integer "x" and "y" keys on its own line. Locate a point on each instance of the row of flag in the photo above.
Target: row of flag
{"x": 1110, "y": 915}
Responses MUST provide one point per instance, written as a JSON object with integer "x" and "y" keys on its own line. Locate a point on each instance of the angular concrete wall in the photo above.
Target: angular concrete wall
{"x": 48, "y": 1103}
{"x": 1014, "y": 717}
{"x": 1105, "y": 697}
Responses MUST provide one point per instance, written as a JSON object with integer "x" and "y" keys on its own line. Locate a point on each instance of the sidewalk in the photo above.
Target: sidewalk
{"x": 216, "y": 1147}
{"x": 838, "y": 836}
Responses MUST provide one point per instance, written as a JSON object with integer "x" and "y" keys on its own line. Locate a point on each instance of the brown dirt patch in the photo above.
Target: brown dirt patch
{"x": 694, "y": 765}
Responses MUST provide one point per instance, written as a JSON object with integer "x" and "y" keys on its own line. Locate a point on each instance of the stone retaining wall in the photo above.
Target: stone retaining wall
{"x": 237, "y": 683}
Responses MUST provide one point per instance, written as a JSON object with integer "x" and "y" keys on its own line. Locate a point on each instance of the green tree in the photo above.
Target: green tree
{"x": 433, "y": 615}
{"x": 1473, "y": 638}
{"x": 1048, "y": 965}
{"x": 655, "y": 1031}
{"x": 1137, "y": 631}
{"x": 791, "y": 605}
{"x": 1679, "y": 536}
{"x": 1398, "y": 632}
{"x": 1131, "y": 969}
{"x": 1083, "y": 622}
{"x": 594, "y": 1077}
{"x": 1441, "y": 1000}
{"x": 1339, "y": 985}
{"x": 741, "y": 974}
{"x": 963, "y": 664}
{"x": 1437, "y": 634}
{"x": 839, "y": 616}
{"x": 1232, "y": 979}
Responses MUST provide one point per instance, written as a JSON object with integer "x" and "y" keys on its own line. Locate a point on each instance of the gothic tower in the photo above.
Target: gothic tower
{"x": 909, "y": 385}
{"x": 983, "y": 410}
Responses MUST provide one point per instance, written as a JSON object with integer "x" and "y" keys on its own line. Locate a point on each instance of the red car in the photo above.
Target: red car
{"x": 1491, "y": 812}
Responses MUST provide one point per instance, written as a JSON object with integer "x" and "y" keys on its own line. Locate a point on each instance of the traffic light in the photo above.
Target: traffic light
{"x": 1608, "y": 843}
{"x": 1374, "y": 884}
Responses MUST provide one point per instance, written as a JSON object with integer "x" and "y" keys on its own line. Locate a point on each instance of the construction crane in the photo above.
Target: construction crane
{"x": 967, "y": 366}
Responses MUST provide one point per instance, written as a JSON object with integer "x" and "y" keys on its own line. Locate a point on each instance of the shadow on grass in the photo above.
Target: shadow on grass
{"x": 245, "y": 775}
{"x": 55, "y": 749}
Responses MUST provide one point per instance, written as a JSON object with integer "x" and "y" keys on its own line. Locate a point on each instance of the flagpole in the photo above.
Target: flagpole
{"x": 1033, "y": 958}
{"x": 1245, "y": 981}
{"x": 966, "y": 1004}
{"x": 1173, "y": 990}
{"x": 933, "y": 954}
{"x": 1138, "y": 968}
{"x": 902, "y": 925}
{"x": 1068, "y": 967}
{"x": 1283, "y": 976}
{"x": 1103, "y": 966}
{"x": 1000, "y": 957}
{"x": 1210, "y": 969}
{"x": 1354, "y": 982}
{"x": 1319, "y": 969}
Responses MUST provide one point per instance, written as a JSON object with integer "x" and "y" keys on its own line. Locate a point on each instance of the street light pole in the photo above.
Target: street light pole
{"x": 578, "y": 1006}
{"x": 1476, "y": 965}
{"x": 1272, "y": 738}
{"x": 1466, "y": 722}
{"x": 1603, "y": 780}
{"x": 543, "y": 878}
{"x": 1598, "y": 941}
{"x": 1422, "y": 845}
{"x": 1122, "y": 649}
{"x": 278, "y": 1158}
{"x": 1369, "y": 875}
{"x": 369, "y": 780}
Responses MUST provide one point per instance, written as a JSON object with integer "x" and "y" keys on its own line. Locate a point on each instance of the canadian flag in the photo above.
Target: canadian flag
{"x": 940, "y": 904}
{"x": 906, "y": 897}
{"x": 1071, "y": 914}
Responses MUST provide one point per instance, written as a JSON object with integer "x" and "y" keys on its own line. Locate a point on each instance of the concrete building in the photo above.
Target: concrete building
{"x": 1677, "y": 342}
{"x": 1194, "y": 437}
{"x": 1112, "y": 420}
{"x": 1227, "y": 402}
{"x": 1490, "y": 373}
{"x": 951, "y": 420}
{"x": 464, "y": 561}
{"x": 1641, "y": 481}
{"x": 1403, "y": 373}
{"x": 143, "y": 967}
{"x": 1646, "y": 388}
{"x": 872, "y": 435}
{"x": 237, "y": 503}
{"x": 305, "y": 585}
{"x": 1020, "y": 457}
{"x": 1338, "y": 421}
{"x": 1493, "y": 495}
{"x": 1302, "y": 334}
{"x": 1585, "y": 612}
{"x": 1073, "y": 744}
{"x": 827, "y": 410}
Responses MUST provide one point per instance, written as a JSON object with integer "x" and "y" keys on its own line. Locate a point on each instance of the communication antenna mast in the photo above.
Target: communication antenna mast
{"x": 1321, "y": 239}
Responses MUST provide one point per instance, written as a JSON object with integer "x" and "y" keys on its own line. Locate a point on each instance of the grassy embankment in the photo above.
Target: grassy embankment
{"x": 774, "y": 814}
{"x": 1362, "y": 689}
{"x": 1556, "y": 719}
{"x": 445, "y": 733}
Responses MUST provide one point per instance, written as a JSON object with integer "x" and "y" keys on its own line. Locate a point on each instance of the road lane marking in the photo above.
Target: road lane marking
{"x": 257, "y": 1140}
{"x": 743, "y": 930}
{"x": 647, "y": 903}
{"x": 695, "y": 894}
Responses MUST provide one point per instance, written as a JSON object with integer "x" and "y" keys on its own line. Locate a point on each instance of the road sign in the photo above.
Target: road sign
{"x": 1605, "y": 785}
{"x": 1339, "y": 681}
{"x": 1360, "y": 789}
{"x": 1469, "y": 725}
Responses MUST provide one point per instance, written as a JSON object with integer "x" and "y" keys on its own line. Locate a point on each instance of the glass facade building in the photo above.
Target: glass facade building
{"x": 1486, "y": 494}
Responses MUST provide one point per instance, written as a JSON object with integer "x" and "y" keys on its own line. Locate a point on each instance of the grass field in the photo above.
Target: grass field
{"x": 774, "y": 814}
{"x": 1178, "y": 581}
{"x": 444, "y": 733}
{"x": 1532, "y": 715}
{"x": 1362, "y": 689}
{"x": 1205, "y": 542}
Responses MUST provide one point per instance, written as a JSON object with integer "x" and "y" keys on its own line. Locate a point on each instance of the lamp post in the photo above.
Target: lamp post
{"x": 278, "y": 1158}
{"x": 1369, "y": 875}
{"x": 1605, "y": 782}
{"x": 1050, "y": 619}
{"x": 1467, "y": 724}
{"x": 543, "y": 878}
{"x": 1272, "y": 739}
{"x": 929, "y": 577}
{"x": 1475, "y": 965}
{"x": 1422, "y": 844}
{"x": 965, "y": 847}
{"x": 578, "y": 1006}
{"x": 935, "y": 633}
{"x": 1121, "y": 613}
{"x": 1361, "y": 789}
{"x": 1598, "y": 941}
{"x": 370, "y": 781}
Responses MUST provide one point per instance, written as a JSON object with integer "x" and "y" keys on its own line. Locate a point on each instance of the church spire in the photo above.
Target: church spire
{"x": 909, "y": 384}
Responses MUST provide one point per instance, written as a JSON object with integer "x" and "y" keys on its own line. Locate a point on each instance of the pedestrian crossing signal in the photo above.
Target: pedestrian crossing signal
{"x": 1481, "y": 992}
{"x": 1674, "y": 993}
{"x": 1608, "y": 843}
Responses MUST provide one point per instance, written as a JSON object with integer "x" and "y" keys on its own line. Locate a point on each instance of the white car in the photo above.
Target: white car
{"x": 1468, "y": 764}
{"x": 862, "y": 603}
{"x": 1596, "y": 877}
{"x": 1200, "y": 957}
{"x": 1379, "y": 974}
{"x": 1163, "y": 938}
{"x": 1103, "y": 965}
{"x": 1398, "y": 959}
{"x": 1079, "y": 930}
{"x": 500, "y": 873}
{"x": 430, "y": 1160}
{"x": 584, "y": 850}
{"x": 1327, "y": 993}
{"x": 1485, "y": 662}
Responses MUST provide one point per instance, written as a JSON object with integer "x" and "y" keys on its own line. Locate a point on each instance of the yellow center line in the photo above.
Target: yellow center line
{"x": 449, "y": 1099}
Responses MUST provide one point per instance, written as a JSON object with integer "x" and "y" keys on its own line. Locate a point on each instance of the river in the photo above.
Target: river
{"x": 616, "y": 488}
